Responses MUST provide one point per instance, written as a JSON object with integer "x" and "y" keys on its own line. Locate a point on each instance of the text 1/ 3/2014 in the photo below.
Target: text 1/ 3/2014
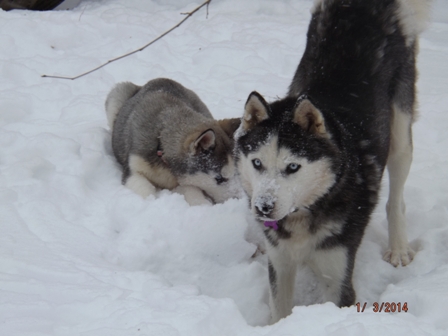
{"x": 384, "y": 307}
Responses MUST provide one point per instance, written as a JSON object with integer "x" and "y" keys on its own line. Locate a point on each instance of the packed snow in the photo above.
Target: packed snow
{"x": 82, "y": 255}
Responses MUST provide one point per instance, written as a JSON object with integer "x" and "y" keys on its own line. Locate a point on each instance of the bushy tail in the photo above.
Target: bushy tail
{"x": 414, "y": 16}
{"x": 116, "y": 99}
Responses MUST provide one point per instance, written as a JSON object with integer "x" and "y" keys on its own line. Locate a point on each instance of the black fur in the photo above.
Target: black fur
{"x": 272, "y": 277}
{"x": 344, "y": 77}
{"x": 355, "y": 67}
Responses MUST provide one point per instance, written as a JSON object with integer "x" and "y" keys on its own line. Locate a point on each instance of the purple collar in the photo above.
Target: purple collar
{"x": 272, "y": 224}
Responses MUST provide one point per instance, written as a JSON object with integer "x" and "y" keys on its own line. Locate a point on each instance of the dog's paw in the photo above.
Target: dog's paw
{"x": 193, "y": 195}
{"x": 193, "y": 201}
{"x": 398, "y": 257}
{"x": 141, "y": 186}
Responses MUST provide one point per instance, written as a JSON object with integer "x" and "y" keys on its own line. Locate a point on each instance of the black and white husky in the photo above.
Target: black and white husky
{"x": 311, "y": 163}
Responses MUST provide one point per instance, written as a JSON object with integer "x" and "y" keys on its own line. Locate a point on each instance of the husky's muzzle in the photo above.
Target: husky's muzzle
{"x": 264, "y": 205}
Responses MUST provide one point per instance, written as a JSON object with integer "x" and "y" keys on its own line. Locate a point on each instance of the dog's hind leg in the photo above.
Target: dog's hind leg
{"x": 398, "y": 166}
{"x": 282, "y": 272}
{"x": 135, "y": 176}
{"x": 140, "y": 185}
{"x": 400, "y": 157}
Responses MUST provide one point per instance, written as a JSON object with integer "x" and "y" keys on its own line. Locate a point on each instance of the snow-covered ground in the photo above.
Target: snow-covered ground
{"x": 82, "y": 255}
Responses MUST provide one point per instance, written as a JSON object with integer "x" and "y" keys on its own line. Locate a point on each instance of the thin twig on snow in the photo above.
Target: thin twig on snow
{"x": 188, "y": 14}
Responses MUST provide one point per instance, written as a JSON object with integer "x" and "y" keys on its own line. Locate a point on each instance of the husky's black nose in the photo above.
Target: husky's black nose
{"x": 264, "y": 209}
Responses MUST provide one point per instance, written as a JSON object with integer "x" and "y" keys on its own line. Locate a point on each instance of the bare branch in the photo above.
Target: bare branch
{"x": 188, "y": 14}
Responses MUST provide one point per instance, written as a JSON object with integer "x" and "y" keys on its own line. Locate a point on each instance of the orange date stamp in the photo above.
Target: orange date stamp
{"x": 384, "y": 307}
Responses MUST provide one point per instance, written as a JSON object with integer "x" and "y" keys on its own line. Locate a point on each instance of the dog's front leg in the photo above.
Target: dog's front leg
{"x": 193, "y": 195}
{"x": 282, "y": 272}
{"x": 334, "y": 268}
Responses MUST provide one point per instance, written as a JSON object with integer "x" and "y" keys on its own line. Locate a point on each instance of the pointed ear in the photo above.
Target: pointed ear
{"x": 229, "y": 126}
{"x": 205, "y": 141}
{"x": 310, "y": 118}
{"x": 255, "y": 111}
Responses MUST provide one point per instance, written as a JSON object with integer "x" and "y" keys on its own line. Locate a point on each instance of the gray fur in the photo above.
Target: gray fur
{"x": 165, "y": 117}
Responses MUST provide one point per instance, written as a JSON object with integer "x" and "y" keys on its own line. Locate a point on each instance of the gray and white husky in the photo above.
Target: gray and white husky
{"x": 165, "y": 137}
{"x": 311, "y": 163}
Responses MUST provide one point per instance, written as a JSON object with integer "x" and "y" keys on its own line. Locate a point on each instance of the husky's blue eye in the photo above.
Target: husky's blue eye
{"x": 256, "y": 163}
{"x": 292, "y": 168}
